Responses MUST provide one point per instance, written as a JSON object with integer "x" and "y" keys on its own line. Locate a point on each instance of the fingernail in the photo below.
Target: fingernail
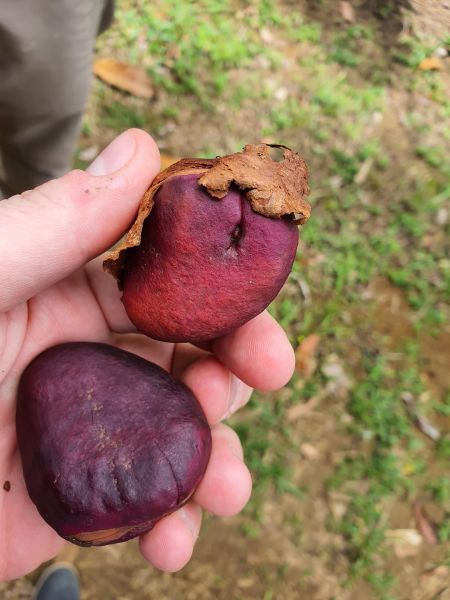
{"x": 238, "y": 395}
{"x": 184, "y": 514}
{"x": 115, "y": 156}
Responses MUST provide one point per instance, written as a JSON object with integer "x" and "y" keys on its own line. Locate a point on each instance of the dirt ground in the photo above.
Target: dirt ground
{"x": 286, "y": 549}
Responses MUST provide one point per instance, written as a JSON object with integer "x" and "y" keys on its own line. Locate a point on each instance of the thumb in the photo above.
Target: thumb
{"x": 49, "y": 232}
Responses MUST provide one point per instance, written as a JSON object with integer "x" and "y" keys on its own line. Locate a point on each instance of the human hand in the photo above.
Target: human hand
{"x": 54, "y": 290}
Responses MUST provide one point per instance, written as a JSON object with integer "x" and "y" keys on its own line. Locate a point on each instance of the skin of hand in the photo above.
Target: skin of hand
{"x": 54, "y": 290}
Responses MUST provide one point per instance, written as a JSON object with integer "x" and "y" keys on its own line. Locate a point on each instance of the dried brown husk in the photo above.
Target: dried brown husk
{"x": 273, "y": 188}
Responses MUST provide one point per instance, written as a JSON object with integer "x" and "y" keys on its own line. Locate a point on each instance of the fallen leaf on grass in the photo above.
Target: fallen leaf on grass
{"x": 125, "y": 77}
{"x": 433, "y": 63}
{"x": 424, "y": 524}
{"x": 305, "y": 355}
{"x": 347, "y": 12}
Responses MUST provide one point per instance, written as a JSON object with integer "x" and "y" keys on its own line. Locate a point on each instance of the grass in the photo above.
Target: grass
{"x": 267, "y": 439}
{"x": 390, "y": 458}
{"x": 262, "y": 69}
{"x": 192, "y": 46}
{"x": 440, "y": 490}
{"x": 346, "y": 46}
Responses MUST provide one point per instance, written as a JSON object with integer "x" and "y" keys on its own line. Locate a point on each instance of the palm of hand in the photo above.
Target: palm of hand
{"x": 66, "y": 311}
{"x": 83, "y": 307}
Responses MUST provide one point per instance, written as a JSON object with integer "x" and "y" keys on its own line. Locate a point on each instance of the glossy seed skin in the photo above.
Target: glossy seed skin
{"x": 110, "y": 443}
{"x": 204, "y": 266}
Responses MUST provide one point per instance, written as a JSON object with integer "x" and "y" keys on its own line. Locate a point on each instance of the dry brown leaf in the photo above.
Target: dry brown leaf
{"x": 424, "y": 524}
{"x": 273, "y": 188}
{"x": 305, "y": 355}
{"x": 433, "y": 63}
{"x": 347, "y": 12}
{"x": 128, "y": 78}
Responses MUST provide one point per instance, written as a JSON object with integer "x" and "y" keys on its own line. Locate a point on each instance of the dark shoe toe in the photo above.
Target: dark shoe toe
{"x": 57, "y": 582}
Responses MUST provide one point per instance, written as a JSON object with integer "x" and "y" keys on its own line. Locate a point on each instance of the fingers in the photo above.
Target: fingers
{"x": 169, "y": 545}
{"x": 184, "y": 356}
{"x": 159, "y": 353}
{"x": 258, "y": 353}
{"x": 219, "y": 392}
{"x": 226, "y": 486}
{"x": 47, "y": 233}
{"x": 108, "y": 296}
{"x": 21, "y": 521}
{"x": 224, "y": 490}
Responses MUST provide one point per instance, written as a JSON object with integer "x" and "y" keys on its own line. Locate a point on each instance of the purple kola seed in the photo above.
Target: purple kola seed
{"x": 212, "y": 244}
{"x": 204, "y": 267}
{"x": 110, "y": 442}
